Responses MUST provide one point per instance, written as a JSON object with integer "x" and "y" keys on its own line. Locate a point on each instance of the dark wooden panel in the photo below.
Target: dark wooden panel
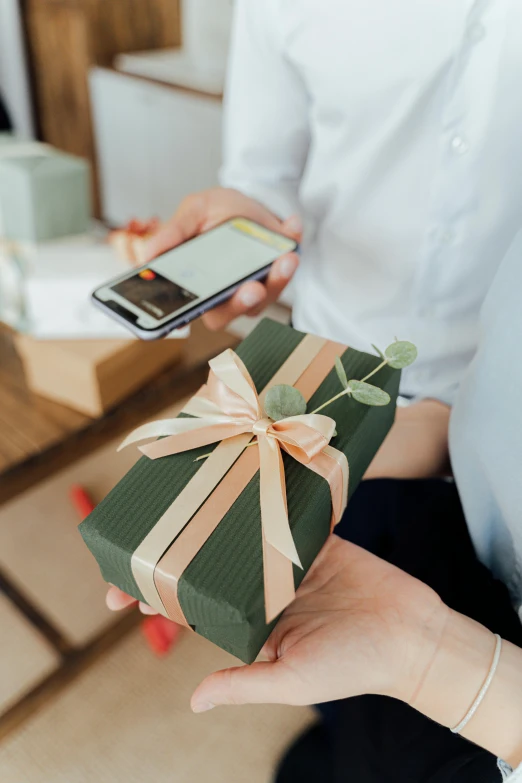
{"x": 132, "y": 25}
{"x": 66, "y": 37}
{"x": 59, "y": 43}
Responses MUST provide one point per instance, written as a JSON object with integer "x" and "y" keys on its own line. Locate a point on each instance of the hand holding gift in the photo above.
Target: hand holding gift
{"x": 361, "y": 626}
{"x": 352, "y": 630}
{"x": 218, "y": 540}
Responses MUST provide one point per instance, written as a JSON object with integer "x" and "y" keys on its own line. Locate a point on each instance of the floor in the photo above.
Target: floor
{"x": 82, "y": 698}
{"x": 128, "y": 719}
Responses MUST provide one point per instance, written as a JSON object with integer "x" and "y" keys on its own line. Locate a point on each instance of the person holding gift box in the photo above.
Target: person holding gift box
{"x": 362, "y": 626}
{"x": 220, "y": 520}
{"x": 400, "y": 238}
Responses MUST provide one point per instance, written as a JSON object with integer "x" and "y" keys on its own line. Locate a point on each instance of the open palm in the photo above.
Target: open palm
{"x": 353, "y": 629}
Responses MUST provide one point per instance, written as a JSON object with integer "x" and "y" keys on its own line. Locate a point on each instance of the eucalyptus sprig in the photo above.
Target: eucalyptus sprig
{"x": 283, "y": 401}
{"x": 398, "y": 355}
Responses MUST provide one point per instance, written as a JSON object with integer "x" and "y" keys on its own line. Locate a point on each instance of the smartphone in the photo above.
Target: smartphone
{"x": 183, "y": 283}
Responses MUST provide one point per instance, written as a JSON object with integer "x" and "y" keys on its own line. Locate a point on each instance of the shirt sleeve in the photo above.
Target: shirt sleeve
{"x": 514, "y": 777}
{"x": 266, "y": 130}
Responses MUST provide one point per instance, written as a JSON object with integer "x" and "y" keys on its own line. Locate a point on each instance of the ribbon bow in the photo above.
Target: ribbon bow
{"x": 228, "y": 405}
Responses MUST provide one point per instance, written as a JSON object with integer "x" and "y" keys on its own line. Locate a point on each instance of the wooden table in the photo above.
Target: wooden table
{"x": 38, "y": 436}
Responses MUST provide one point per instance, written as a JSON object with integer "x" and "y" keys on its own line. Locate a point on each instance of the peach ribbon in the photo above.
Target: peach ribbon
{"x": 229, "y": 406}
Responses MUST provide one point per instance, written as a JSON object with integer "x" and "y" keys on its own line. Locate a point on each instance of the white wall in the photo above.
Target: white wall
{"x": 206, "y": 29}
{"x": 14, "y": 84}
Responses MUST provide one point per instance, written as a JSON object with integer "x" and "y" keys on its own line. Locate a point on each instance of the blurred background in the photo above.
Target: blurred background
{"x": 110, "y": 113}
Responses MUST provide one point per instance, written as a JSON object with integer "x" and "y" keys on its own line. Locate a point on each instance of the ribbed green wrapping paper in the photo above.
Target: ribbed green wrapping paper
{"x": 221, "y": 592}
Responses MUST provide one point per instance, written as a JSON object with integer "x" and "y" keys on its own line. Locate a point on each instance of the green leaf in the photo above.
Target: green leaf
{"x": 341, "y": 373}
{"x": 378, "y": 350}
{"x": 368, "y": 394}
{"x": 401, "y": 354}
{"x": 283, "y": 401}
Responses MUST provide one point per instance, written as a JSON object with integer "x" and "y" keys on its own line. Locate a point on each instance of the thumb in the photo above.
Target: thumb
{"x": 184, "y": 225}
{"x": 260, "y": 683}
{"x": 293, "y": 228}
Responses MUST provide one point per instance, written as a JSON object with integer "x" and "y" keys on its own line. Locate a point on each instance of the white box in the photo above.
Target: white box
{"x": 56, "y": 286}
{"x": 155, "y": 145}
{"x": 59, "y": 280}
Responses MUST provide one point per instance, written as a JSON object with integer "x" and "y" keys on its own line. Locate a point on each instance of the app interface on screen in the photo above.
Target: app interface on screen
{"x": 201, "y": 268}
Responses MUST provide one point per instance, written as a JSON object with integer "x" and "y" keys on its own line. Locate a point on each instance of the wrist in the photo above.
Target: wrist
{"x": 456, "y": 672}
{"x": 454, "y": 678}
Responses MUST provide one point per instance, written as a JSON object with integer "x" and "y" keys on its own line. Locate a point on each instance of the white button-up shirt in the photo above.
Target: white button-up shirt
{"x": 394, "y": 127}
{"x": 485, "y": 443}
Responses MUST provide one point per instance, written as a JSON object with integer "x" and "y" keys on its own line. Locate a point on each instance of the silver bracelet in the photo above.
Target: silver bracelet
{"x": 485, "y": 688}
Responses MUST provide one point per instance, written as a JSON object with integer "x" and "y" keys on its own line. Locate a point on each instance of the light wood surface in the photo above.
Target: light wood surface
{"x": 92, "y": 376}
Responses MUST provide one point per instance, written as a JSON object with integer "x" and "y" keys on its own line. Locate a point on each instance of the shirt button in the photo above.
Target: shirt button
{"x": 476, "y": 33}
{"x": 459, "y": 145}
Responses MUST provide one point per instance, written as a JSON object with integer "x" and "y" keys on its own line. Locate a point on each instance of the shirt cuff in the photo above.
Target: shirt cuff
{"x": 509, "y": 775}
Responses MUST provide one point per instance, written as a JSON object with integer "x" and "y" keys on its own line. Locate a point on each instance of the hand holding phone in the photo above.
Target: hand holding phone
{"x": 203, "y": 211}
{"x": 193, "y": 278}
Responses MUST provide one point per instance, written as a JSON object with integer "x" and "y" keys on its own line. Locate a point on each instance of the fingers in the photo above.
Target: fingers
{"x": 117, "y": 600}
{"x": 260, "y": 683}
{"x": 280, "y": 275}
{"x": 250, "y": 298}
{"x": 293, "y": 227}
{"x": 185, "y": 224}
{"x": 253, "y": 297}
{"x": 269, "y": 651}
{"x": 146, "y": 609}
{"x": 193, "y": 217}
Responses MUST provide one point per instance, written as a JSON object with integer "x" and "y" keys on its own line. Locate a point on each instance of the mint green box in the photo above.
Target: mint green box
{"x": 44, "y": 197}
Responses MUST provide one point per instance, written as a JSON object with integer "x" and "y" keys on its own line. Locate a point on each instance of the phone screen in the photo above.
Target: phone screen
{"x": 196, "y": 271}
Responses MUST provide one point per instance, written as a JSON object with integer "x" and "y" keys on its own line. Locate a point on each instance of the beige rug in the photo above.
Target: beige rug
{"x": 25, "y": 657}
{"x": 43, "y": 554}
{"x": 127, "y": 720}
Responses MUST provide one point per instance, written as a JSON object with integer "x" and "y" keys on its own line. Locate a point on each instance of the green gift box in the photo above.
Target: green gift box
{"x": 44, "y": 197}
{"x": 221, "y": 587}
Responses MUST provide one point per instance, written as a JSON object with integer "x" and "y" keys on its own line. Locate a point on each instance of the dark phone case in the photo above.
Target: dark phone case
{"x": 113, "y": 309}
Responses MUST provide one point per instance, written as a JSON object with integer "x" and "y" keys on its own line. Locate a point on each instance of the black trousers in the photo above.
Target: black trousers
{"x": 418, "y": 526}
{"x": 5, "y": 124}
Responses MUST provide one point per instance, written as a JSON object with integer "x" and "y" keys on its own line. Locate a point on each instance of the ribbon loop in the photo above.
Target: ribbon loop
{"x": 233, "y": 374}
